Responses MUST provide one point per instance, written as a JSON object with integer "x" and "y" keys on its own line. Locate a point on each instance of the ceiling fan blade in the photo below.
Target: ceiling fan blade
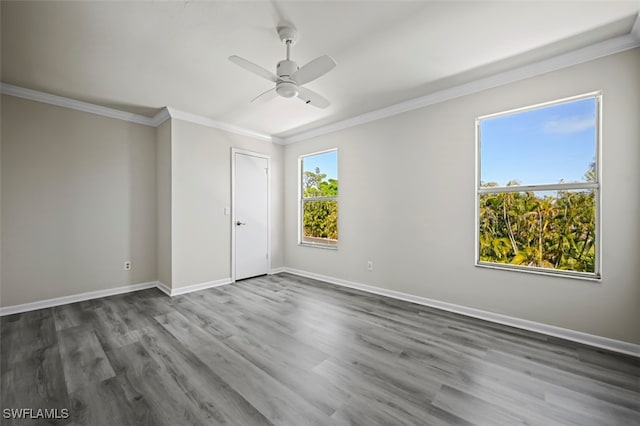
{"x": 312, "y": 98}
{"x": 265, "y": 96}
{"x": 254, "y": 68}
{"x": 314, "y": 69}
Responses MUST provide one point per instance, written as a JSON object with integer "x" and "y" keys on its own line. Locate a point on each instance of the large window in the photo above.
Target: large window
{"x": 538, "y": 188}
{"x": 319, "y": 199}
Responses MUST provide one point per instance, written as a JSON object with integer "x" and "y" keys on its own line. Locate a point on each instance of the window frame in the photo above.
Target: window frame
{"x": 302, "y": 200}
{"x": 595, "y": 186}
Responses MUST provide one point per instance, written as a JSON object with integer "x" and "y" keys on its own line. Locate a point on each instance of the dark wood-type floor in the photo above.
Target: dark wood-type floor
{"x": 292, "y": 351}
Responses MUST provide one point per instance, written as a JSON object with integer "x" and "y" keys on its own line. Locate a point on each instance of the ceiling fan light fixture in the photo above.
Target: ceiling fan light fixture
{"x": 286, "y": 89}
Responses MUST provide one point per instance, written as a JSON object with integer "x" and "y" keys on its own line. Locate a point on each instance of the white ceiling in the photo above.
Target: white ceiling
{"x": 142, "y": 56}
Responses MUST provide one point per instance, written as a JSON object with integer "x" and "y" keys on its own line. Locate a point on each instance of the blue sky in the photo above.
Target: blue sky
{"x": 327, "y": 162}
{"x": 544, "y": 145}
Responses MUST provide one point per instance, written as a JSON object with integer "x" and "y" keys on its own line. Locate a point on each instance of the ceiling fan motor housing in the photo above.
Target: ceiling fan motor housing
{"x": 286, "y": 68}
{"x": 286, "y": 86}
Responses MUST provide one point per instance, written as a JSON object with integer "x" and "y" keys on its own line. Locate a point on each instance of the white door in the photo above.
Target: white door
{"x": 251, "y": 214}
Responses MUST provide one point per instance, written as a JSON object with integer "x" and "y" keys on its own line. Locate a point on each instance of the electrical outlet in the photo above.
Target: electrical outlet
{"x": 369, "y": 265}
{"x": 127, "y": 265}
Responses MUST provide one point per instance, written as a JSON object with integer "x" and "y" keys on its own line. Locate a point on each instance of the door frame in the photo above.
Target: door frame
{"x": 235, "y": 151}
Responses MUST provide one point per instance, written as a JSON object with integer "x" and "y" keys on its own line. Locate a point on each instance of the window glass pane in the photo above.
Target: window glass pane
{"x": 544, "y": 229}
{"x": 320, "y": 221}
{"x": 547, "y": 145}
{"x": 320, "y": 175}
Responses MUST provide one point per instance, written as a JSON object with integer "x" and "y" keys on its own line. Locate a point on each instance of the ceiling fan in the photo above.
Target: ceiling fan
{"x": 290, "y": 77}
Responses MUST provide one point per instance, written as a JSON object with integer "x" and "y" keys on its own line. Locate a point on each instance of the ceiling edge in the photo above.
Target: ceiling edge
{"x": 34, "y": 95}
{"x": 208, "y": 122}
{"x": 585, "y": 54}
{"x": 163, "y": 115}
{"x": 635, "y": 30}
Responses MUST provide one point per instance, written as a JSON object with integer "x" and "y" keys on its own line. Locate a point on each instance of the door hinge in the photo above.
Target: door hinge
{"x": 267, "y": 255}
{"x": 266, "y": 170}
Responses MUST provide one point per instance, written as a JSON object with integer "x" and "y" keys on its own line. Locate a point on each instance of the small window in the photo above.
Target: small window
{"x": 538, "y": 188}
{"x": 319, "y": 199}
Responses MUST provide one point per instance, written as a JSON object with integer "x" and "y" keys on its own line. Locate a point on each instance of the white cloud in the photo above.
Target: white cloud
{"x": 568, "y": 125}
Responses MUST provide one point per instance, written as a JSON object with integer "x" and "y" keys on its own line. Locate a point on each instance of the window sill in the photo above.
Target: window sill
{"x": 540, "y": 271}
{"x": 321, "y": 246}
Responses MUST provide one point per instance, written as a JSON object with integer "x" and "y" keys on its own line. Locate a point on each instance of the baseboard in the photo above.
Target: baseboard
{"x": 163, "y": 288}
{"x": 41, "y": 304}
{"x": 277, "y": 270}
{"x": 550, "y": 330}
{"x": 25, "y": 307}
{"x": 197, "y": 287}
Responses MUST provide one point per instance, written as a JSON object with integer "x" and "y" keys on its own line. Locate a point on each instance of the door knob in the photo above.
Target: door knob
{"x": 238, "y": 223}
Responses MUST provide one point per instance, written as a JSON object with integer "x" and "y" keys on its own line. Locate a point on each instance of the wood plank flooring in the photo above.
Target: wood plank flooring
{"x": 287, "y": 350}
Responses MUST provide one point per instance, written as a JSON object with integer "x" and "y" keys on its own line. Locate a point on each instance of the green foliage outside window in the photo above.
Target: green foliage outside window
{"x": 320, "y": 217}
{"x": 546, "y": 231}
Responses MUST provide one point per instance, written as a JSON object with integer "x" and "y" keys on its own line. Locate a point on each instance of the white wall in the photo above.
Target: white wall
{"x": 407, "y": 203}
{"x": 81, "y": 193}
{"x": 201, "y": 189}
{"x": 78, "y": 199}
{"x": 163, "y": 183}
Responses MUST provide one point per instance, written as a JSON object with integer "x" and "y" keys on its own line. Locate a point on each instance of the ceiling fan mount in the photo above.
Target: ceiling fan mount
{"x": 288, "y": 34}
{"x": 286, "y": 87}
{"x": 289, "y": 78}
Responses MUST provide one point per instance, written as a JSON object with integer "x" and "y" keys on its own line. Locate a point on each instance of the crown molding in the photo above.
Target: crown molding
{"x": 208, "y": 122}
{"x": 589, "y": 53}
{"x": 635, "y": 30}
{"x": 585, "y": 54}
{"x": 34, "y": 95}
{"x": 162, "y": 116}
